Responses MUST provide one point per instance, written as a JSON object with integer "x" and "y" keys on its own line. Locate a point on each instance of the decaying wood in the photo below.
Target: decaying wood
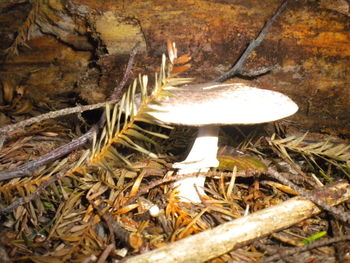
{"x": 215, "y": 242}
{"x": 27, "y": 168}
{"x": 308, "y": 46}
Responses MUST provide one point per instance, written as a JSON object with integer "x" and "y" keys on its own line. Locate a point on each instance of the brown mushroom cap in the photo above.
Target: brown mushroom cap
{"x": 215, "y": 104}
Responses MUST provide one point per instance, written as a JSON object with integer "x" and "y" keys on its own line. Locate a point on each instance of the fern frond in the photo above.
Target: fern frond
{"x": 339, "y": 152}
{"x": 333, "y": 153}
{"x": 23, "y": 32}
{"x": 156, "y": 134}
{"x": 121, "y": 121}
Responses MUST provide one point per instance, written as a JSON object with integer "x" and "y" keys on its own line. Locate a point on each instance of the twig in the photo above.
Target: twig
{"x": 52, "y": 115}
{"x": 118, "y": 89}
{"x": 299, "y": 174}
{"x": 117, "y": 232}
{"x": 345, "y": 217}
{"x": 250, "y": 73}
{"x": 313, "y": 245}
{"x": 32, "y": 196}
{"x": 105, "y": 253}
{"x": 28, "y": 168}
{"x": 252, "y": 45}
{"x": 145, "y": 189}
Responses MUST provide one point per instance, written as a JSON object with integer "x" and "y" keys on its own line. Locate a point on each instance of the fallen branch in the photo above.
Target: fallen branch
{"x": 32, "y": 196}
{"x": 341, "y": 215}
{"x": 29, "y": 167}
{"x": 117, "y": 232}
{"x": 52, "y": 115}
{"x": 222, "y": 239}
{"x": 238, "y": 67}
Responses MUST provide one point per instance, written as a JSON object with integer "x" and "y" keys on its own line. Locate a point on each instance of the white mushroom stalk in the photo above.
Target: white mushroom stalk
{"x": 203, "y": 151}
{"x": 202, "y": 156}
{"x": 208, "y": 106}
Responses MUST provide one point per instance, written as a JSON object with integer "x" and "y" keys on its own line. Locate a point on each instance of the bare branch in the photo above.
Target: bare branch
{"x": 252, "y": 45}
{"x": 341, "y": 215}
{"x": 29, "y": 167}
{"x": 32, "y": 196}
{"x": 52, "y": 115}
{"x": 297, "y": 250}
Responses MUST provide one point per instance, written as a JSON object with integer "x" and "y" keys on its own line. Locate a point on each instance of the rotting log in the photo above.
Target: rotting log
{"x": 308, "y": 47}
{"x": 220, "y": 240}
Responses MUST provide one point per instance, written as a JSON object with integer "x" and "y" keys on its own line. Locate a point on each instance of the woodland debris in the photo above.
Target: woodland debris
{"x": 296, "y": 250}
{"x": 220, "y": 240}
{"x": 238, "y": 67}
{"x": 29, "y": 167}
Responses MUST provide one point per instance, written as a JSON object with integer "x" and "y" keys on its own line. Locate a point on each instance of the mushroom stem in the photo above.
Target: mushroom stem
{"x": 201, "y": 158}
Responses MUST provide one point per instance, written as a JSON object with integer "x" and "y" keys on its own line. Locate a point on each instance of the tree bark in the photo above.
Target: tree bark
{"x": 308, "y": 47}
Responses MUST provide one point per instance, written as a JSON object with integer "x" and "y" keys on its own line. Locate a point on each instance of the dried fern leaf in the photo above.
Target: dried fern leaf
{"x": 156, "y": 134}
{"x": 23, "y": 32}
{"x": 121, "y": 122}
{"x": 339, "y": 152}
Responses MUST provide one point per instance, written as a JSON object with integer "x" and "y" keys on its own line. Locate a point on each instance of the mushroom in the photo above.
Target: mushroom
{"x": 208, "y": 106}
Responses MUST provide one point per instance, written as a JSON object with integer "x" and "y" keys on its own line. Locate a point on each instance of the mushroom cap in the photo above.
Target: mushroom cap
{"x": 222, "y": 104}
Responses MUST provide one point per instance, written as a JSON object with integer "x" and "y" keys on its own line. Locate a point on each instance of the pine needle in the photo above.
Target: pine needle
{"x": 122, "y": 127}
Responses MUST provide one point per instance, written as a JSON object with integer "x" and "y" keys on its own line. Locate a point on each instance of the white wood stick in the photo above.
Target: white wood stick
{"x": 223, "y": 238}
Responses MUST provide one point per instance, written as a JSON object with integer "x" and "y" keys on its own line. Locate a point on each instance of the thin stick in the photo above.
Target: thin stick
{"x": 27, "y": 168}
{"x": 341, "y": 215}
{"x": 117, "y": 232}
{"x": 52, "y": 115}
{"x": 145, "y": 189}
{"x": 117, "y": 89}
{"x": 297, "y": 250}
{"x": 252, "y": 45}
{"x": 32, "y": 196}
{"x": 106, "y": 252}
{"x": 30, "y": 167}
